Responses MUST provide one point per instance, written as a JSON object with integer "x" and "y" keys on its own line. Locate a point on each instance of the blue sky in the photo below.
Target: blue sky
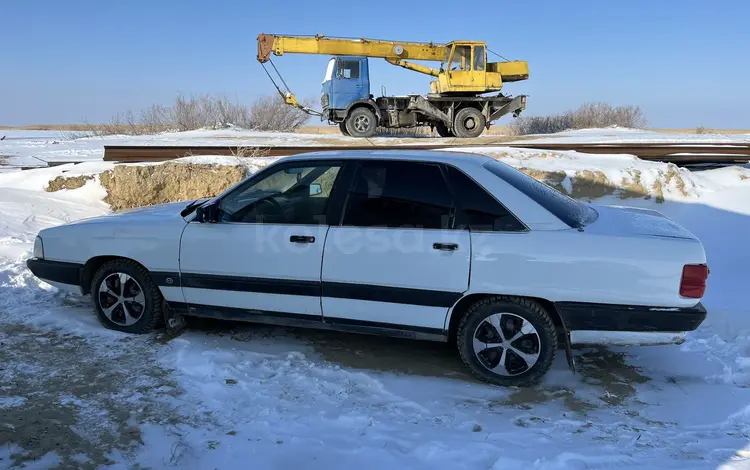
{"x": 686, "y": 63}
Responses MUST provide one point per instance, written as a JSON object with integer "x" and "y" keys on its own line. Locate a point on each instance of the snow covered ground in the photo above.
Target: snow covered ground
{"x": 238, "y": 396}
{"x": 618, "y": 135}
{"x": 33, "y": 148}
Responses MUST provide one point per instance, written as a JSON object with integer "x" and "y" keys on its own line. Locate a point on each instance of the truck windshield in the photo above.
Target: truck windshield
{"x": 575, "y": 214}
{"x": 329, "y": 70}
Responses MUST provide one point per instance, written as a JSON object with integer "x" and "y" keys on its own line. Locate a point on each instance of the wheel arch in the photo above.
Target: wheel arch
{"x": 363, "y": 104}
{"x": 453, "y": 318}
{"x": 92, "y": 266}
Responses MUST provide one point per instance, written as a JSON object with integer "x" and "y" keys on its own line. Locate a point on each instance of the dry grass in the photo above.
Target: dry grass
{"x": 328, "y": 130}
{"x": 49, "y": 127}
{"x": 136, "y": 186}
{"x": 268, "y": 113}
{"x": 587, "y": 116}
{"x": 67, "y": 182}
{"x": 592, "y": 184}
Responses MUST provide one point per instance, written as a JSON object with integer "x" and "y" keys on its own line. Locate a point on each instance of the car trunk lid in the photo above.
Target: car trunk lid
{"x": 622, "y": 220}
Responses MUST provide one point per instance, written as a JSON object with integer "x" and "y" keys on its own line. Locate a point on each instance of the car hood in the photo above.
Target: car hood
{"x": 622, "y": 220}
{"x": 151, "y": 213}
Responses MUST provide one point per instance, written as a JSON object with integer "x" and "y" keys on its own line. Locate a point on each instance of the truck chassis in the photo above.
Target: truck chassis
{"x": 450, "y": 115}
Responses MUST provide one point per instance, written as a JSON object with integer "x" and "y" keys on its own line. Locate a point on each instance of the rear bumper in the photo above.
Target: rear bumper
{"x": 56, "y": 271}
{"x": 629, "y": 318}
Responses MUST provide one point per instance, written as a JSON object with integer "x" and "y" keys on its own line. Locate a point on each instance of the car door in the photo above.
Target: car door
{"x": 459, "y": 67}
{"x": 396, "y": 260}
{"x": 263, "y": 253}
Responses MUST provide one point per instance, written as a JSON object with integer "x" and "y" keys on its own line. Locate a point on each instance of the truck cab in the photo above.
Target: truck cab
{"x": 347, "y": 81}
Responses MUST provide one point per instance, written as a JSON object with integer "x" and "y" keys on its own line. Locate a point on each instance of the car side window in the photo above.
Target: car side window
{"x": 399, "y": 194}
{"x": 479, "y": 211}
{"x": 289, "y": 195}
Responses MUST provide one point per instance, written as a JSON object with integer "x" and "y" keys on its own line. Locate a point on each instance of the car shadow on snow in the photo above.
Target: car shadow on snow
{"x": 604, "y": 370}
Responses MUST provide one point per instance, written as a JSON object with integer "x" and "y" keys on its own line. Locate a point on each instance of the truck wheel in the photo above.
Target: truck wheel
{"x": 361, "y": 123}
{"x": 443, "y": 130}
{"x": 342, "y": 128}
{"x": 125, "y": 297}
{"x": 469, "y": 122}
{"x": 507, "y": 341}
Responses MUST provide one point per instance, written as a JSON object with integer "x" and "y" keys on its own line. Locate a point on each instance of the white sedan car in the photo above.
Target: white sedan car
{"x": 419, "y": 244}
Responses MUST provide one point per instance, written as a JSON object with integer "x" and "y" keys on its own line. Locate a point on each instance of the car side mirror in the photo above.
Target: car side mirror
{"x": 315, "y": 189}
{"x": 207, "y": 214}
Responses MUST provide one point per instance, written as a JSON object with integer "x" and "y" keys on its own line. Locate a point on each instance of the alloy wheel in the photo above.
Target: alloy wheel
{"x": 121, "y": 299}
{"x": 506, "y": 344}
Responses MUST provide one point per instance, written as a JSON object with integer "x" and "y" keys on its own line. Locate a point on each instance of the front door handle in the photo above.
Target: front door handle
{"x": 302, "y": 239}
{"x": 445, "y": 246}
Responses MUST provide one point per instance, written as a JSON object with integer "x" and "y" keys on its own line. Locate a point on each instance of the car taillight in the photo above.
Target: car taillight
{"x": 693, "y": 282}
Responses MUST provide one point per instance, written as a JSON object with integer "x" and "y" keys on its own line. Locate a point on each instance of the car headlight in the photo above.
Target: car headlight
{"x": 38, "y": 248}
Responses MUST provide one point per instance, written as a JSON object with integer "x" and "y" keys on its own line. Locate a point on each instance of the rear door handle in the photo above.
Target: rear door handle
{"x": 302, "y": 239}
{"x": 445, "y": 246}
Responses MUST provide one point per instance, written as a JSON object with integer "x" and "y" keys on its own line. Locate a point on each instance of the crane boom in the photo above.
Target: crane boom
{"x": 279, "y": 45}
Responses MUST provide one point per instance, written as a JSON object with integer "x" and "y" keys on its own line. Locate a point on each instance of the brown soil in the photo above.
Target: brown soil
{"x": 67, "y": 182}
{"x": 136, "y": 186}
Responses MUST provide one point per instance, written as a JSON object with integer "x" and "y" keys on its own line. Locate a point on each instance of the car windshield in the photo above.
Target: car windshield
{"x": 575, "y": 214}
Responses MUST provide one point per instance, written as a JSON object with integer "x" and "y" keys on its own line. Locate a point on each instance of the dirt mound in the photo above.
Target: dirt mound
{"x": 136, "y": 186}
{"x": 592, "y": 184}
{"x": 67, "y": 182}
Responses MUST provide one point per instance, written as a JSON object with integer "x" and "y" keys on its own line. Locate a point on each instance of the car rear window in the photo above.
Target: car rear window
{"x": 575, "y": 214}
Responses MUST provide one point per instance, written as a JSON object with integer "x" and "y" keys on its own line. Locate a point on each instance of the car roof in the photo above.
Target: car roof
{"x": 436, "y": 156}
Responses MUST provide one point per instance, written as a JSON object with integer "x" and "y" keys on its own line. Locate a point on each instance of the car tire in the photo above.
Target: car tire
{"x": 361, "y": 122}
{"x": 342, "y": 128}
{"x": 125, "y": 297}
{"x": 507, "y": 365}
{"x": 468, "y": 123}
{"x": 443, "y": 130}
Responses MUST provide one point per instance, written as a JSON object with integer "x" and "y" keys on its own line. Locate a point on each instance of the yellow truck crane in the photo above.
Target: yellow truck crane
{"x": 460, "y": 103}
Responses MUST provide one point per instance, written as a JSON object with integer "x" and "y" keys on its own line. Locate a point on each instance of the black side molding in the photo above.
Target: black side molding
{"x": 609, "y": 317}
{"x": 309, "y": 321}
{"x": 340, "y": 290}
{"x": 56, "y": 271}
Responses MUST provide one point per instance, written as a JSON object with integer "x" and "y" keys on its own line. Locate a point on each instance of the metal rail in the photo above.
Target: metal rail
{"x": 680, "y": 154}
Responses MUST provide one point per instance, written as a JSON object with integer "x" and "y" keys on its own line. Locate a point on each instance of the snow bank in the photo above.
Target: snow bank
{"x": 612, "y": 135}
{"x": 319, "y": 400}
{"x": 590, "y": 176}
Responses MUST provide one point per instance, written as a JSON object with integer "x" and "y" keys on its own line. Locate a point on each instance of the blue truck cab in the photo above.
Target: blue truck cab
{"x": 347, "y": 81}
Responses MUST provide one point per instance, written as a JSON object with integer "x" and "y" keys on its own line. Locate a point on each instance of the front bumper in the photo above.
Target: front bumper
{"x": 630, "y": 318}
{"x": 59, "y": 272}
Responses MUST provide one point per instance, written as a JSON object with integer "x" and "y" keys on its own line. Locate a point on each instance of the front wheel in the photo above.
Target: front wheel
{"x": 125, "y": 297}
{"x": 342, "y": 128}
{"x": 507, "y": 341}
{"x": 361, "y": 122}
{"x": 469, "y": 122}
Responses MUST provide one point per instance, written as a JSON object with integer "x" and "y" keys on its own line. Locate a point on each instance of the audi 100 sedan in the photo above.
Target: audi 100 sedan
{"x": 427, "y": 245}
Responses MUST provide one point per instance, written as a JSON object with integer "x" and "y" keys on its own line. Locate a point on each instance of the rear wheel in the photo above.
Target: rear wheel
{"x": 507, "y": 341}
{"x": 361, "y": 122}
{"x": 342, "y": 128}
{"x": 125, "y": 297}
{"x": 469, "y": 122}
{"x": 443, "y": 130}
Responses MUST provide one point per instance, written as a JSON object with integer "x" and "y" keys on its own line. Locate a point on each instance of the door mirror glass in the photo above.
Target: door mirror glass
{"x": 347, "y": 73}
{"x": 316, "y": 189}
